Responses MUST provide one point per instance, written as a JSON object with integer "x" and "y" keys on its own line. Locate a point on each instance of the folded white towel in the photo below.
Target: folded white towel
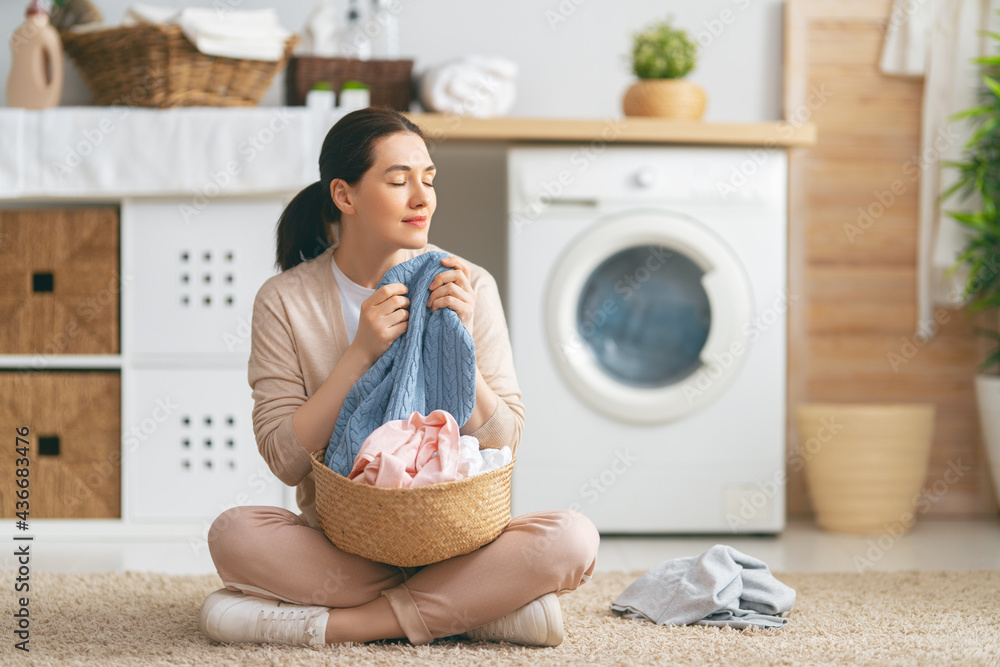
{"x": 250, "y": 34}
{"x": 140, "y": 13}
{"x": 478, "y": 86}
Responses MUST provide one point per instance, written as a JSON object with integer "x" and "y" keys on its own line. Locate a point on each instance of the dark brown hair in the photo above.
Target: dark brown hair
{"x": 348, "y": 152}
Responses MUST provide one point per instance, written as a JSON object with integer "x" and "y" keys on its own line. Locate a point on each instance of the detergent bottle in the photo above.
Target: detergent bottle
{"x": 36, "y": 68}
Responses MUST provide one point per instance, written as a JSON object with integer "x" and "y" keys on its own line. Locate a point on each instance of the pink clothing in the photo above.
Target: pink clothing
{"x": 415, "y": 452}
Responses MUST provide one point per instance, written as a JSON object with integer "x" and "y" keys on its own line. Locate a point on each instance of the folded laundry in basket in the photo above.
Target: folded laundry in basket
{"x": 432, "y": 366}
{"x": 254, "y": 34}
{"x": 720, "y": 587}
{"x": 475, "y": 461}
{"x": 413, "y": 452}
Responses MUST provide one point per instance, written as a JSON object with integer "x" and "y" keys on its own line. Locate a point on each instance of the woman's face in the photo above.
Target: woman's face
{"x": 395, "y": 199}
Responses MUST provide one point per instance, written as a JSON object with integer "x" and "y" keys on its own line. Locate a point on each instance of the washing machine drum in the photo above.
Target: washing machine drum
{"x": 648, "y": 315}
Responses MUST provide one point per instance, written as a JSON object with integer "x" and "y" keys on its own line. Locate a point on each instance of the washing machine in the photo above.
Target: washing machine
{"x": 647, "y": 305}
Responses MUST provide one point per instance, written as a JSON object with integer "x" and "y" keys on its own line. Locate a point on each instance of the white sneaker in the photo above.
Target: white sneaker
{"x": 538, "y": 623}
{"x": 231, "y": 617}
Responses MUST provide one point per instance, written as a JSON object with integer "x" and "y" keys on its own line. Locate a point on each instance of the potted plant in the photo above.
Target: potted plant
{"x": 661, "y": 56}
{"x": 978, "y": 184}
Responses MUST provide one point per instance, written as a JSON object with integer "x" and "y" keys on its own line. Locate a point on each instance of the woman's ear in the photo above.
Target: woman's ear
{"x": 342, "y": 196}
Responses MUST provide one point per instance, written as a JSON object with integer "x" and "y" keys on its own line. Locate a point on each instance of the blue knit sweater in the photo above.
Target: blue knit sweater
{"x": 432, "y": 366}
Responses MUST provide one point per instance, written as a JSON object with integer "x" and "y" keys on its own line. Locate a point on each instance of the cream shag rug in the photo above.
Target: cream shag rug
{"x": 905, "y": 618}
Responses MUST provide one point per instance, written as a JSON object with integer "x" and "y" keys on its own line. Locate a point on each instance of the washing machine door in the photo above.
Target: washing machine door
{"x": 647, "y": 315}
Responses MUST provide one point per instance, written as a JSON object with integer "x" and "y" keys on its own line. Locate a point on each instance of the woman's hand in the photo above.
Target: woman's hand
{"x": 384, "y": 317}
{"x": 453, "y": 289}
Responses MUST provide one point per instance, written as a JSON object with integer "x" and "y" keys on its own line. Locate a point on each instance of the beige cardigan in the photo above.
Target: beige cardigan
{"x": 297, "y": 337}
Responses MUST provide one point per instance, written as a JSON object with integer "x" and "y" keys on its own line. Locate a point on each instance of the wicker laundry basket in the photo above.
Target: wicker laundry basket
{"x": 415, "y": 526}
{"x": 157, "y": 66}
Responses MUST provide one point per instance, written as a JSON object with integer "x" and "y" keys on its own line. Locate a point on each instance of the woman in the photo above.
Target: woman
{"x": 317, "y": 327}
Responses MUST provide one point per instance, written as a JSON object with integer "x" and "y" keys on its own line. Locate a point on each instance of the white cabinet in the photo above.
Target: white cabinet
{"x": 189, "y": 281}
{"x": 192, "y": 275}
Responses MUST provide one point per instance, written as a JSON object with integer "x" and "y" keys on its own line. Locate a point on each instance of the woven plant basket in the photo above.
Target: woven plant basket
{"x": 157, "y": 66}
{"x": 388, "y": 81}
{"x": 665, "y": 98}
{"x": 416, "y": 526}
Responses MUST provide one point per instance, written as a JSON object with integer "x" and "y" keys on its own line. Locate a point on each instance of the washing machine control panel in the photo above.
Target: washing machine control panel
{"x": 711, "y": 175}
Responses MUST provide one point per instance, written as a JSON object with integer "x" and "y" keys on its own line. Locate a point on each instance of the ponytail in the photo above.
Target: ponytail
{"x": 302, "y": 231}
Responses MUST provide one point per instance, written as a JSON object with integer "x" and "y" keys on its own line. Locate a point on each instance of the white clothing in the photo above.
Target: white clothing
{"x": 352, "y": 295}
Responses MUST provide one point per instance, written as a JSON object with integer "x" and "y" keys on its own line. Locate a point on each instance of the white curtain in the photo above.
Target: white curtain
{"x": 937, "y": 40}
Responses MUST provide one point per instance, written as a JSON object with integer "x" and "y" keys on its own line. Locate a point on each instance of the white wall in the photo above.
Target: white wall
{"x": 572, "y": 54}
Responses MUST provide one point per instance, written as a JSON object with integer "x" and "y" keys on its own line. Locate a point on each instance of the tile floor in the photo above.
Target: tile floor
{"x": 802, "y": 547}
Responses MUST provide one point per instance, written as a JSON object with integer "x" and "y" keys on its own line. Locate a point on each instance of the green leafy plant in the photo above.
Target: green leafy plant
{"x": 354, "y": 85}
{"x": 979, "y": 174}
{"x": 322, "y": 85}
{"x": 661, "y": 51}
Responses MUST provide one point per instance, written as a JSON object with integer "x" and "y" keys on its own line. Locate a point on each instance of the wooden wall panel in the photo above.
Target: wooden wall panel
{"x": 856, "y": 315}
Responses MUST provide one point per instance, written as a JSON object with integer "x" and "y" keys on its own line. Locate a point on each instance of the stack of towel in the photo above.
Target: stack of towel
{"x": 248, "y": 34}
{"x": 478, "y": 86}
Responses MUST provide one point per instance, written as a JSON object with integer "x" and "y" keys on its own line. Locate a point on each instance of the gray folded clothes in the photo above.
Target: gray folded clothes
{"x": 720, "y": 587}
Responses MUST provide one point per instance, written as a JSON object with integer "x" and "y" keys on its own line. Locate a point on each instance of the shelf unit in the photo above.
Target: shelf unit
{"x": 186, "y": 448}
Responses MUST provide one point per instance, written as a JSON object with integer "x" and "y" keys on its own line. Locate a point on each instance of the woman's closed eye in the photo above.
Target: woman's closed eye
{"x": 430, "y": 185}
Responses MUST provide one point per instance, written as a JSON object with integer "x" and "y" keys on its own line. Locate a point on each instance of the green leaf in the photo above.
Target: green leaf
{"x": 971, "y": 112}
{"x": 991, "y": 361}
{"x": 993, "y": 85}
{"x": 988, "y": 333}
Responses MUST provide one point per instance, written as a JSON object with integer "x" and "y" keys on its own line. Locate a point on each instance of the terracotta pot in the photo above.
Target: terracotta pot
{"x": 865, "y": 464}
{"x": 665, "y": 98}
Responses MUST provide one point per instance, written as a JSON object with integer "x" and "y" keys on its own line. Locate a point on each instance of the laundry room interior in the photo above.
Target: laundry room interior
{"x": 745, "y": 256}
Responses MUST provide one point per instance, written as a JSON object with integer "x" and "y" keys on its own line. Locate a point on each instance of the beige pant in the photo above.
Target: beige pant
{"x": 271, "y": 552}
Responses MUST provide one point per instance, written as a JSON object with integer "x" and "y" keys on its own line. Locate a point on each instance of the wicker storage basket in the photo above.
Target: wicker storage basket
{"x": 388, "y": 81}
{"x": 412, "y": 527}
{"x": 157, "y": 66}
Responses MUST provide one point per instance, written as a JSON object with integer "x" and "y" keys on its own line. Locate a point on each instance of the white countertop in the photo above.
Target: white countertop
{"x": 114, "y": 152}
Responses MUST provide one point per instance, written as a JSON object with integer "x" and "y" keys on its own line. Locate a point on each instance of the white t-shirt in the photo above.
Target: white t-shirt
{"x": 352, "y": 295}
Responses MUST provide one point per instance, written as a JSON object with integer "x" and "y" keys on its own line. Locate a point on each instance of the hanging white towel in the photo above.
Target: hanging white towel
{"x": 938, "y": 39}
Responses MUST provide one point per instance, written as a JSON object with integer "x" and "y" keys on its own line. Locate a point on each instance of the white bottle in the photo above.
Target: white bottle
{"x": 355, "y": 42}
{"x": 36, "y": 67}
{"x": 320, "y": 34}
{"x": 385, "y": 24}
